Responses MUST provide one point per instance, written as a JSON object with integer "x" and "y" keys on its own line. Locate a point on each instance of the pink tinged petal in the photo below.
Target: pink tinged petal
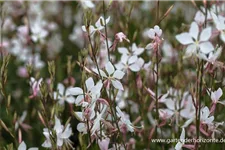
{"x": 89, "y": 83}
{"x": 118, "y": 74}
{"x": 75, "y": 91}
{"x": 222, "y": 36}
{"x": 184, "y": 38}
{"x": 117, "y": 84}
{"x": 104, "y": 144}
{"x": 134, "y": 67}
{"x": 194, "y": 30}
{"x": 150, "y": 46}
{"x": 109, "y": 68}
{"x": 206, "y": 34}
{"x": 22, "y": 146}
{"x": 132, "y": 59}
{"x": 206, "y": 47}
{"x": 70, "y": 99}
{"x": 123, "y": 50}
{"x": 60, "y": 88}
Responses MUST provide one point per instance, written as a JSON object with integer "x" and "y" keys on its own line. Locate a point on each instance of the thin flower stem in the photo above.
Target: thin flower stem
{"x": 106, "y": 33}
{"x": 94, "y": 56}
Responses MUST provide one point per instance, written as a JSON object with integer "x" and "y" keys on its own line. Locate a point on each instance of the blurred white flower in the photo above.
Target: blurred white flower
{"x": 63, "y": 95}
{"x": 215, "y": 95}
{"x": 62, "y": 133}
{"x": 205, "y": 119}
{"x": 23, "y": 146}
{"x": 124, "y": 123}
{"x": 87, "y": 4}
{"x": 133, "y": 63}
{"x": 38, "y": 32}
{"x": 220, "y": 25}
{"x": 99, "y": 25}
{"x": 200, "y": 18}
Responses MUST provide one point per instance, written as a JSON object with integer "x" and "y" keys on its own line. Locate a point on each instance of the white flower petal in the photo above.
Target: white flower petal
{"x": 22, "y": 146}
{"x": 134, "y": 67}
{"x": 123, "y": 50}
{"x": 89, "y": 83}
{"x": 75, "y": 91}
{"x": 206, "y": 47}
{"x": 206, "y": 34}
{"x": 184, "y": 38}
{"x": 61, "y": 88}
{"x": 118, "y": 74}
{"x": 117, "y": 84}
{"x": 194, "y": 30}
{"x": 222, "y": 36}
{"x": 109, "y": 68}
{"x": 132, "y": 59}
{"x": 70, "y": 99}
{"x": 150, "y": 46}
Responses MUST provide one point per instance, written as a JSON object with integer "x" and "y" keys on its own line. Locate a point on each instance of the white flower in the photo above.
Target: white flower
{"x": 199, "y": 18}
{"x": 154, "y": 32}
{"x": 87, "y": 4}
{"x": 112, "y": 76}
{"x": 133, "y": 63}
{"x": 47, "y": 135}
{"x": 205, "y": 119}
{"x": 38, "y": 32}
{"x": 220, "y": 25}
{"x": 63, "y": 95}
{"x": 23, "y": 146}
{"x": 180, "y": 144}
{"x": 104, "y": 144}
{"x": 124, "y": 121}
{"x": 99, "y": 25}
{"x": 134, "y": 50}
{"x": 62, "y": 134}
{"x": 20, "y": 121}
{"x": 91, "y": 94}
{"x": 215, "y": 96}
{"x": 35, "y": 85}
{"x": 213, "y": 56}
{"x": 195, "y": 42}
